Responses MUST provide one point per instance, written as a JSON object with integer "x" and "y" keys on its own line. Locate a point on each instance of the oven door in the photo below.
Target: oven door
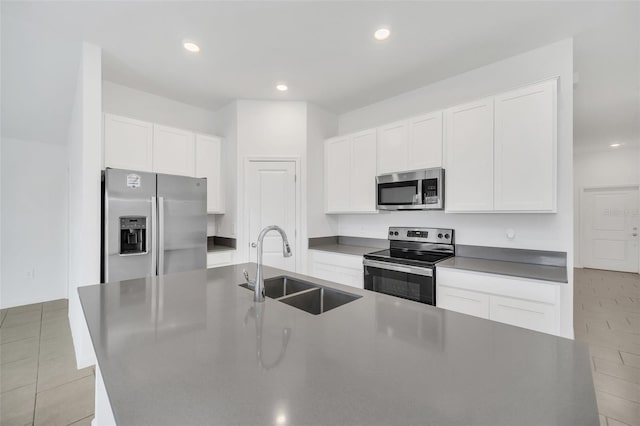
{"x": 406, "y": 281}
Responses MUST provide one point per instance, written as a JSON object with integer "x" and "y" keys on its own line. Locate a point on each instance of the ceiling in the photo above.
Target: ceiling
{"x": 324, "y": 51}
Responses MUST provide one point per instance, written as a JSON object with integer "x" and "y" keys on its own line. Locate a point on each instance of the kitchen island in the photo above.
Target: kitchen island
{"x": 191, "y": 348}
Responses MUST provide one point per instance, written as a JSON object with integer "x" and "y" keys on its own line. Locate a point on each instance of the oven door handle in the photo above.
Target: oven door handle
{"x": 415, "y": 270}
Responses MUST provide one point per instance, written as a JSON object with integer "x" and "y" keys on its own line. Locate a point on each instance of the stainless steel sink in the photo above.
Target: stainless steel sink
{"x": 319, "y": 300}
{"x": 282, "y": 286}
{"x": 304, "y": 295}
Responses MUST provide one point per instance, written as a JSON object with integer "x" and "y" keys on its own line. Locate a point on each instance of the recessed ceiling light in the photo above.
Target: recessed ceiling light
{"x": 191, "y": 46}
{"x": 615, "y": 145}
{"x": 382, "y": 34}
{"x": 282, "y": 87}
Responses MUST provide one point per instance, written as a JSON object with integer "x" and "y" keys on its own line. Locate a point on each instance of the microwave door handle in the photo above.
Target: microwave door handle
{"x": 419, "y": 195}
{"x": 414, "y": 270}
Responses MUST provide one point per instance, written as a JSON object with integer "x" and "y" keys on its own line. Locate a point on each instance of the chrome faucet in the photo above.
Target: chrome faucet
{"x": 258, "y": 284}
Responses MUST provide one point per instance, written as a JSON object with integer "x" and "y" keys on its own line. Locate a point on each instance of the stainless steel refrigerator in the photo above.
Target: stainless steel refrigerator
{"x": 152, "y": 224}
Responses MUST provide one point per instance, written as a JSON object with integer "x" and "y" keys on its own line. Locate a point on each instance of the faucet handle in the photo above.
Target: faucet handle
{"x": 249, "y": 281}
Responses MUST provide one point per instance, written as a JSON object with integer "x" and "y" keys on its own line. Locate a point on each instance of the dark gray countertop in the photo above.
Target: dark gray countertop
{"x": 345, "y": 249}
{"x": 218, "y": 248}
{"x": 514, "y": 269}
{"x": 185, "y": 349}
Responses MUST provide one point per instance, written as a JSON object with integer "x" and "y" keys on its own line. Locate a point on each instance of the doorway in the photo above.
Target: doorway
{"x": 609, "y": 231}
{"x": 271, "y": 199}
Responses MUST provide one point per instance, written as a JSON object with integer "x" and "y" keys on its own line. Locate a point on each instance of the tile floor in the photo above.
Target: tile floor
{"x": 607, "y": 316}
{"x": 40, "y": 385}
{"x": 39, "y": 382}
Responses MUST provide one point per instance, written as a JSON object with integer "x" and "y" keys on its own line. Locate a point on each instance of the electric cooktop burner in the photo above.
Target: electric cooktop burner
{"x": 418, "y": 256}
{"x": 416, "y": 246}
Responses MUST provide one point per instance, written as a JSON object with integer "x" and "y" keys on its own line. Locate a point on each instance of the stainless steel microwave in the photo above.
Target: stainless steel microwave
{"x": 414, "y": 190}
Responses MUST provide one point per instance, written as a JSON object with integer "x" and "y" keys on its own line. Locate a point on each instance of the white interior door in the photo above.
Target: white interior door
{"x": 610, "y": 229}
{"x": 271, "y": 200}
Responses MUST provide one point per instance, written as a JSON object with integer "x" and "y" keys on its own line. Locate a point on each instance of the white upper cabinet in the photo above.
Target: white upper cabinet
{"x": 208, "y": 164}
{"x": 173, "y": 151}
{"x": 469, "y": 158}
{"x": 525, "y": 148}
{"x": 393, "y": 147}
{"x": 128, "y": 143}
{"x": 425, "y": 141}
{"x": 350, "y": 173}
{"x": 138, "y": 145}
{"x": 337, "y": 163}
{"x": 362, "y": 180}
{"x": 410, "y": 144}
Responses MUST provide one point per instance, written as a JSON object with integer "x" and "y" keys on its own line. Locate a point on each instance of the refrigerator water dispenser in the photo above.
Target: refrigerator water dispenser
{"x": 133, "y": 235}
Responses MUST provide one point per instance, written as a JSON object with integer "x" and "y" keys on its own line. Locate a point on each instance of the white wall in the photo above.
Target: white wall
{"x": 34, "y": 222}
{"x": 85, "y": 159}
{"x": 534, "y": 231}
{"x": 321, "y": 125}
{"x": 122, "y": 100}
{"x": 275, "y": 130}
{"x": 606, "y": 167}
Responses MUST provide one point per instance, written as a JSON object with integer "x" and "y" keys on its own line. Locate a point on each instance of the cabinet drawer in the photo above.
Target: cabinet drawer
{"x": 221, "y": 258}
{"x": 520, "y": 288}
{"x": 338, "y": 274}
{"x": 337, "y": 259}
{"x": 463, "y": 301}
{"x": 340, "y": 268}
{"x": 523, "y": 313}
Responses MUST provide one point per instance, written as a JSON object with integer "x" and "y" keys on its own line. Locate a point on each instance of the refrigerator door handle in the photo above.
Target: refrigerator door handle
{"x": 161, "y": 235}
{"x": 154, "y": 236}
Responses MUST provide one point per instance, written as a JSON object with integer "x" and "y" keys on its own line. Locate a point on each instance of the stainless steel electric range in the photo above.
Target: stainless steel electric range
{"x": 407, "y": 268}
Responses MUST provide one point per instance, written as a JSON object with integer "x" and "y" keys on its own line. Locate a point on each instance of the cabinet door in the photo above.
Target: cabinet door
{"x": 425, "y": 141}
{"x": 209, "y": 165}
{"x": 524, "y": 313}
{"x": 363, "y": 172}
{"x": 525, "y": 149}
{"x": 469, "y": 161}
{"x": 173, "y": 151}
{"x": 463, "y": 301}
{"x": 337, "y": 164}
{"x": 128, "y": 143}
{"x": 337, "y": 267}
{"x": 393, "y": 148}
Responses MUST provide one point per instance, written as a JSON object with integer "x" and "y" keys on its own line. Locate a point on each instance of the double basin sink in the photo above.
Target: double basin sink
{"x": 309, "y": 297}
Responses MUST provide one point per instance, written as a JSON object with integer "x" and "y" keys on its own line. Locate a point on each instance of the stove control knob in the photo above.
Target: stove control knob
{"x": 390, "y": 232}
{"x": 395, "y": 233}
{"x": 446, "y": 236}
{"x": 439, "y": 235}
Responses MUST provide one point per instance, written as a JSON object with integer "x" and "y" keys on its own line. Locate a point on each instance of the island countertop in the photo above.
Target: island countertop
{"x": 186, "y": 349}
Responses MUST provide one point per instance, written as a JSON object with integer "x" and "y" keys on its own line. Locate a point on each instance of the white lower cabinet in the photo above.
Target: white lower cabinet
{"x": 527, "y": 303}
{"x": 463, "y": 301}
{"x": 336, "y": 267}
{"x": 524, "y": 313}
{"x": 219, "y": 258}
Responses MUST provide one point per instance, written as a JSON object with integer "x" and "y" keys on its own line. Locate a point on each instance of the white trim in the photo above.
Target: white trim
{"x": 298, "y": 185}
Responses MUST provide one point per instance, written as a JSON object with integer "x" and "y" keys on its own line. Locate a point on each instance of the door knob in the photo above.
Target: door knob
{"x": 254, "y": 245}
